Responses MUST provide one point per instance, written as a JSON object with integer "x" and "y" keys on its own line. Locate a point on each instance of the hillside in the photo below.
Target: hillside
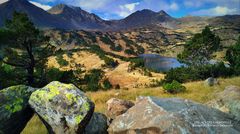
{"x": 148, "y": 39}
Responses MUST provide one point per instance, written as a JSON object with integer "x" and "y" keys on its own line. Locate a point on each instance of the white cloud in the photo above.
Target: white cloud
{"x": 131, "y": 6}
{"x": 219, "y": 10}
{"x": 174, "y": 6}
{"x": 127, "y": 9}
{"x": 2, "y": 1}
{"x": 44, "y": 7}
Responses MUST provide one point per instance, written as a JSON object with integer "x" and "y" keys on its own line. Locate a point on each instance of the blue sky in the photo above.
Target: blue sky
{"x": 116, "y": 9}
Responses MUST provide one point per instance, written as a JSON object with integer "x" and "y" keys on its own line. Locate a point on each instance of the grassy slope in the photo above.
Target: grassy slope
{"x": 196, "y": 91}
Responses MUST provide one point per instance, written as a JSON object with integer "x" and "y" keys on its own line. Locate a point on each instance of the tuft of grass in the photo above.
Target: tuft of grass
{"x": 195, "y": 91}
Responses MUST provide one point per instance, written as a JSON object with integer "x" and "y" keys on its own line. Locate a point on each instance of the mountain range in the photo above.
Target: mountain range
{"x": 74, "y": 18}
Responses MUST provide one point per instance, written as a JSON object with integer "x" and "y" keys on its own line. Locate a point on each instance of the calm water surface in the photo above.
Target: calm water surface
{"x": 160, "y": 63}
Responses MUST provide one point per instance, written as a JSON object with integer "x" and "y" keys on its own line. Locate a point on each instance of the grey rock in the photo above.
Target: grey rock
{"x": 228, "y": 101}
{"x": 211, "y": 81}
{"x": 97, "y": 125}
{"x": 172, "y": 116}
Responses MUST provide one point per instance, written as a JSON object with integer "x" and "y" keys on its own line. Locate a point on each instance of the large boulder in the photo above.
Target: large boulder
{"x": 63, "y": 108}
{"x": 14, "y": 109}
{"x": 97, "y": 125}
{"x": 173, "y": 116}
{"x": 228, "y": 101}
{"x": 116, "y": 107}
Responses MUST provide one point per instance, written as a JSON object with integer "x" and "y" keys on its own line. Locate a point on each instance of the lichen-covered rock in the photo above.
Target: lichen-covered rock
{"x": 14, "y": 109}
{"x": 97, "y": 125}
{"x": 116, "y": 107}
{"x": 173, "y": 116}
{"x": 62, "y": 107}
{"x": 228, "y": 101}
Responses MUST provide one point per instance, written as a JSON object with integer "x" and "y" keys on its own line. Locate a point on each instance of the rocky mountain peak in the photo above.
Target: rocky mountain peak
{"x": 61, "y": 8}
{"x": 162, "y": 12}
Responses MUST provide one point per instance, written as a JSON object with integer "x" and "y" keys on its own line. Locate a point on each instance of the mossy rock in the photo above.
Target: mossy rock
{"x": 14, "y": 109}
{"x": 63, "y": 108}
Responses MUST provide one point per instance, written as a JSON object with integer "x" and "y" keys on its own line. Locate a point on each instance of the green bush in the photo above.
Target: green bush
{"x": 61, "y": 61}
{"x": 129, "y": 52}
{"x": 10, "y": 76}
{"x": 187, "y": 74}
{"x": 136, "y": 62}
{"x": 117, "y": 48}
{"x": 106, "y": 40}
{"x": 127, "y": 41}
{"x": 146, "y": 72}
{"x": 233, "y": 56}
{"x": 54, "y": 74}
{"x": 109, "y": 62}
{"x": 174, "y": 87}
{"x": 90, "y": 36}
{"x": 92, "y": 80}
{"x": 102, "y": 55}
{"x": 106, "y": 84}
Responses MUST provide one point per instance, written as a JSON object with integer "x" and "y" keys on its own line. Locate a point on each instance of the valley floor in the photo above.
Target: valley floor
{"x": 196, "y": 91}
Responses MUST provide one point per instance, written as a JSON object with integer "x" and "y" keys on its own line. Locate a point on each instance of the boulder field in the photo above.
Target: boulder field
{"x": 65, "y": 109}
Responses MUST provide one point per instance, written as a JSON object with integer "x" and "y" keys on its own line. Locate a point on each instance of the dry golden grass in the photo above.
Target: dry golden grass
{"x": 196, "y": 91}
{"x": 135, "y": 78}
{"x": 220, "y": 55}
{"x": 35, "y": 126}
{"x": 86, "y": 59}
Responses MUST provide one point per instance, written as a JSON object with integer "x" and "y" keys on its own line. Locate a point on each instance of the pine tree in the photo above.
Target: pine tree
{"x": 199, "y": 50}
{"x": 233, "y": 56}
{"x": 24, "y": 46}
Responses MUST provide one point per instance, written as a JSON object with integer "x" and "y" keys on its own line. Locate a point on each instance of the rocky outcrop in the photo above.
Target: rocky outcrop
{"x": 97, "y": 125}
{"x": 62, "y": 107}
{"x": 172, "y": 116}
{"x": 14, "y": 109}
{"x": 211, "y": 81}
{"x": 116, "y": 107}
{"x": 228, "y": 101}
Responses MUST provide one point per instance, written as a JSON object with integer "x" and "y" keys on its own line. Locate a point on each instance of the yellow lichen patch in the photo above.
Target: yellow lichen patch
{"x": 78, "y": 119}
{"x": 86, "y": 106}
{"x": 71, "y": 97}
{"x": 69, "y": 86}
